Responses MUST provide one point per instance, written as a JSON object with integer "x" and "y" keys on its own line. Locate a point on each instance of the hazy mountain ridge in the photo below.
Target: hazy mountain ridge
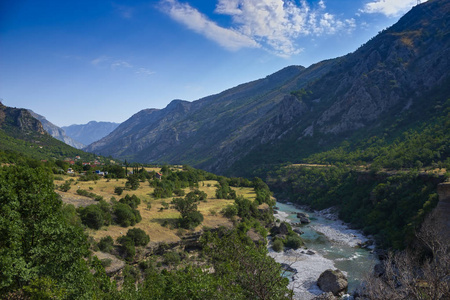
{"x": 56, "y": 132}
{"x": 90, "y": 132}
{"x": 384, "y": 78}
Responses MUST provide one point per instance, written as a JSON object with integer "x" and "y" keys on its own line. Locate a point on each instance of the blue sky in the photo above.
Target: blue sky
{"x": 74, "y": 61}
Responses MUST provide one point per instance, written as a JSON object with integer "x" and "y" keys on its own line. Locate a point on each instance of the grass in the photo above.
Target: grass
{"x": 158, "y": 224}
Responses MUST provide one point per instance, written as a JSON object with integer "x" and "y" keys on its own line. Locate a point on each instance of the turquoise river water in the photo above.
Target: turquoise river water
{"x": 335, "y": 246}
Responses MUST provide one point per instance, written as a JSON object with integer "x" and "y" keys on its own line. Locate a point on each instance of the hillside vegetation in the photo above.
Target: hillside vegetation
{"x": 394, "y": 80}
{"x": 51, "y": 249}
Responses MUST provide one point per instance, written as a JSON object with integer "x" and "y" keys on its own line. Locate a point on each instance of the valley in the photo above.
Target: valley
{"x": 180, "y": 202}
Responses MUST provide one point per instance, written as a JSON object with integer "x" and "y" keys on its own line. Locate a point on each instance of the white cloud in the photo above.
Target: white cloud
{"x": 144, "y": 71}
{"x": 196, "y": 21}
{"x": 120, "y": 64}
{"x": 390, "y": 8}
{"x": 272, "y": 24}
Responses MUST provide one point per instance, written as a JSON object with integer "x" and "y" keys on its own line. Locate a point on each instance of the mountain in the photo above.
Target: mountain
{"x": 19, "y": 122}
{"x": 56, "y": 132}
{"x": 90, "y": 132}
{"x": 22, "y": 133}
{"x": 298, "y": 111}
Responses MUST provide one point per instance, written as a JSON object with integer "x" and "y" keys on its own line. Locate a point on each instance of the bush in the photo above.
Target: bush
{"x": 294, "y": 242}
{"x": 127, "y": 248}
{"x": 132, "y": 201}
{"x": 106, "y": 262}
{"x": 106, "y": 244}
{"x": 171, "y": 258}
{"x": 230, "y": 211}
{"x": 277, "y": 245}
{"x": 92, "y": 216}
{"x": 139, "y": 236}
{"x": 65, "y": 186}
{"x": 118, "y": 190}
{"x": 191, "y": 220}
{"x": 125, "y": 216}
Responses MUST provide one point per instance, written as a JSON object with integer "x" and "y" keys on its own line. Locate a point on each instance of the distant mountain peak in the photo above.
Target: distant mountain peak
{"x": 90, "y": 132}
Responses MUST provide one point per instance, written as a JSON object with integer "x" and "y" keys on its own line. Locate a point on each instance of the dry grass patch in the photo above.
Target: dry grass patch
{"x": 158, "y": 224}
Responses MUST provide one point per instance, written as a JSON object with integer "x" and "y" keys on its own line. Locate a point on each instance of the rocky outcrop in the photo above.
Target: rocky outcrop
{"x": 304, "y": 218}
{"x": 56, "y": 132}
{"x": 19, "y": 120}
{"x": 333, "y": 281}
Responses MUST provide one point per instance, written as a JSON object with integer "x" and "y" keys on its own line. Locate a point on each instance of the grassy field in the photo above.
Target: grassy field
{"x": 156, "y": 222}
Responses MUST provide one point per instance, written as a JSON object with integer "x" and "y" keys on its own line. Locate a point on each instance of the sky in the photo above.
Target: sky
{"x": 74, "y": 61}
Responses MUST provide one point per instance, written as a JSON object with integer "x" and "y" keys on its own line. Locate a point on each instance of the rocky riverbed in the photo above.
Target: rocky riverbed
{"x": 330, "y": 243}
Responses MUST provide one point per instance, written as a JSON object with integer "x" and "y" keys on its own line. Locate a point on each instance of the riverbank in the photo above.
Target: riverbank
{"x": 334, "y": 244}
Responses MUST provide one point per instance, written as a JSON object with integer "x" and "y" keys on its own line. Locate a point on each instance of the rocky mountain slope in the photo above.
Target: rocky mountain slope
{"x": 90, "y": 132}
{"x": 56, "y": 132}
{"x": 297, "y": 110}
{"x": 18, "y": 121}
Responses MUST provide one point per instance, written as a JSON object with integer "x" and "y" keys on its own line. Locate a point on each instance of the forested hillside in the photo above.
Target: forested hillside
{"x": 379, "y": 90}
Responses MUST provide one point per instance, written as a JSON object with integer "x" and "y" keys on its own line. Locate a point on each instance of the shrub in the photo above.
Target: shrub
{"x": 277, "y": 245}
{"x": 92, "y": 216}
{"x": 139, "y": 236}
{"x": 294, "y": 242}
{"x": 171, "y": 258}
{"x": 179, "y": 192}
{"x": 65, "y": 186}
{"x": 106, "y": 262}
{"x": 191, "y": 219}
{"x": 106, "y": 244}
{"x": 118, "y": 190}
{"x": 133, "y": 201}
{"x": 124, "y": 215}
{"x": 230, "y": 211}
{"x": 127, "y": 248}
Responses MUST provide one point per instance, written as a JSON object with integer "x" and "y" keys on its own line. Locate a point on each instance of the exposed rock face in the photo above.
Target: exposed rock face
{"x": 19, "y": 119}
{"x": 282, "y": 229}
{"x": 56, "y": 132}
{"x": 333, "y": 281}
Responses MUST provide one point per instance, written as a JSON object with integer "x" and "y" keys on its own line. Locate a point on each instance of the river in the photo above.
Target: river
{"x": 334, "y": 245}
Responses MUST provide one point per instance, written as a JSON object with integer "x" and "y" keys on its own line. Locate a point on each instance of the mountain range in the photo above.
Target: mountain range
{"x": 298, "y": 111}
{"x": 56, "y": 132}
{"x": 90, "y": 132}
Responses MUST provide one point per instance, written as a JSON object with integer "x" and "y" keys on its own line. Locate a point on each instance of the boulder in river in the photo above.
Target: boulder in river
{"x": 280, "y": 231}
{"x": 333, "y": 281}
{"x": 304, "y": 218}
{"x": 298, "y": 231}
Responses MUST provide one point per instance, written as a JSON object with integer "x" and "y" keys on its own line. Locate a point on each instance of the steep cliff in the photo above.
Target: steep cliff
{"x": 56, "y": 132}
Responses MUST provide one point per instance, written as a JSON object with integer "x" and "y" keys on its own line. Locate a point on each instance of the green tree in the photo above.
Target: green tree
{"x": 106, "y": 244}
{"x": 36, "y": 243}
{"x": 139, "y": 237}
{"x": 190, "y": 216}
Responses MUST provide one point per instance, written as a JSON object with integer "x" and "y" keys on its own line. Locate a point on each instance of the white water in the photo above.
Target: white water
{"x": 334, "y": 245}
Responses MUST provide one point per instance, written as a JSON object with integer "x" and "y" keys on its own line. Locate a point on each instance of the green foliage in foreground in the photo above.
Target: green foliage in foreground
{"x": 44, "y": 253}
{"x": 38, "y": 246}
